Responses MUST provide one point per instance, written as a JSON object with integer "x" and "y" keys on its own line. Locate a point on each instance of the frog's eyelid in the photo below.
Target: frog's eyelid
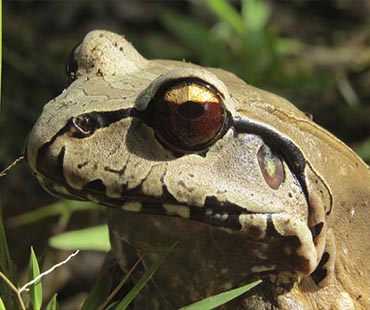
{"x": 184, "y": 73}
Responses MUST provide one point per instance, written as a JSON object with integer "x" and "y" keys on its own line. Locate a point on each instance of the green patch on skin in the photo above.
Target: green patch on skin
{"x": 270, "y": 162}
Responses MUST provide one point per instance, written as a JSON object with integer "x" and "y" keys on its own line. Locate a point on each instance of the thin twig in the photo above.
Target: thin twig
{"x": 38, "y": 278}
{"x": 14, "y": 288}
{"x": 3, "y": 173}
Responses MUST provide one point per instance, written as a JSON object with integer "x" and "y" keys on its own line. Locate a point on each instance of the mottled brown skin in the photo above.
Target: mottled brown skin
{"x": 331, "y": 195}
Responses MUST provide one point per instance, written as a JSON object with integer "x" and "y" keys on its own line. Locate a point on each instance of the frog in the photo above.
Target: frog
{"x": 245, "y": 184}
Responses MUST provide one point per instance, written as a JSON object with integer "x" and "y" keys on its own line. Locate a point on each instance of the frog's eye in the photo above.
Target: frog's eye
{"x": 72, "y": 64}
{"x": 188, "y": 115}
{"x": 271, "y": 167}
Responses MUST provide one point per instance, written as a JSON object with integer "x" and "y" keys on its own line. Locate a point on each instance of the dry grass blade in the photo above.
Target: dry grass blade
{"x": 4, "y": 172}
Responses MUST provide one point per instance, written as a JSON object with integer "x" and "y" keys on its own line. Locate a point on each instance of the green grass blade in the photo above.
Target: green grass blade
{"x": 101, "y": 289}
{"x": 112, "y": 306}
{"x": 53, "y": 303}
{"x": 6, "y": 267}
{"x": 226, "y": 12}
{"x": 92, "y": 238}
{"x": 2, "y": 306}
{"x": 193, "y": 34}
{"x": 102, "y": 293}
{"x": 220, "y": 299}
{"x": 1, "y": 46}
{"x": 256, "y": 14}
{"x": 144, "y": 279}
{"x": 99, "y": 293}
{"x": 363, "y": 150}
{"x": 63, "y": 208}
{"x": 35, "y": 291}
{"x": 6, "y": 264}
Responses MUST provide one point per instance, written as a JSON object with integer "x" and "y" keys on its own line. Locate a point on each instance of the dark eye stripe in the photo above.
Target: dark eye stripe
{"x": 287, "y": 149}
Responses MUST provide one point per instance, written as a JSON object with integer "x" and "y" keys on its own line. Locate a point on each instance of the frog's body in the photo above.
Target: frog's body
{"x": 250, "y": 186}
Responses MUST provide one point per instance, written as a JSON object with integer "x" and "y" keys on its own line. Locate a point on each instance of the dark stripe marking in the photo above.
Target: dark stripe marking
{"x": 321, "y": 272}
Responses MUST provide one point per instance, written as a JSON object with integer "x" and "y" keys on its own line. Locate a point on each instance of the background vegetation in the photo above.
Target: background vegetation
{"x": 315, "y": 53}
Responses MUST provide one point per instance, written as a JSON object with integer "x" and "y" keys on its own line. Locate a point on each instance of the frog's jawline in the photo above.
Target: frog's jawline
{"x": 214, "y": 213}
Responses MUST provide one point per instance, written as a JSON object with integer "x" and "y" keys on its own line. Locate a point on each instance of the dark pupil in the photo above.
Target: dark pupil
{"x": 190, "y": 110}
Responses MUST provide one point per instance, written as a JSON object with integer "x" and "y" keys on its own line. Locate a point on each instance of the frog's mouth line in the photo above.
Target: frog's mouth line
{"x": 212, "y": 216}
{"x": 224, "y": 215}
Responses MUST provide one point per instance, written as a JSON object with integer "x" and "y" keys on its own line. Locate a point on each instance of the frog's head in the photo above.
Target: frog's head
{"x": 171, "y": 138}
